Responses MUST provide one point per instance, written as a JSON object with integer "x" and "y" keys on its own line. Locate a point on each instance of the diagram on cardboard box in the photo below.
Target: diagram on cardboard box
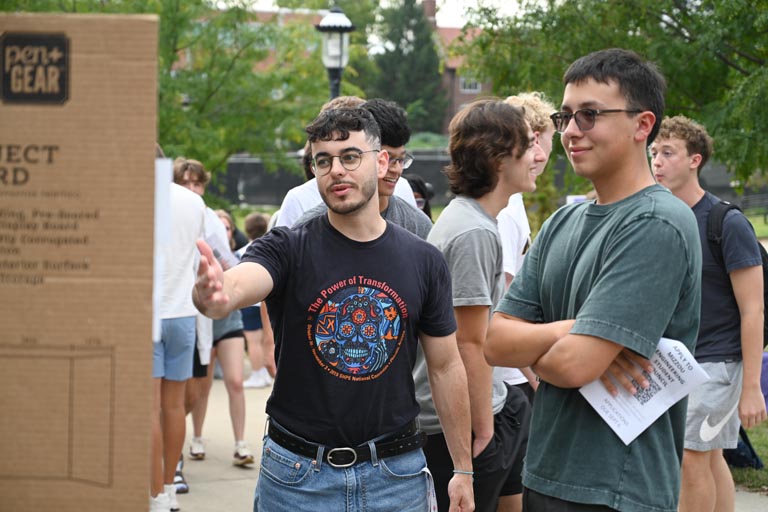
{"x": 72, "y": 436}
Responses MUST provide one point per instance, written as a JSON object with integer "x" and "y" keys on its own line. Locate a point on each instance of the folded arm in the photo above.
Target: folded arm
{"x": 517, "y": 343}
{"x": 557, "y": 357}
{"x": 576, "y": 360}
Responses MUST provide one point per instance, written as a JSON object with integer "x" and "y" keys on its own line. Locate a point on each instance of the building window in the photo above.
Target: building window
{"x": 469, "y": 85}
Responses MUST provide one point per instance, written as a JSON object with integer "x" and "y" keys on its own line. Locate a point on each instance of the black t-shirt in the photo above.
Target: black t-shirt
{"x": 346, "y": 316}
{"x": 720, "y": 328}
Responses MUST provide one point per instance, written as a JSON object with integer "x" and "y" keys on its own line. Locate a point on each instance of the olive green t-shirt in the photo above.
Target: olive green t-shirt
{"x": 628, "y": 272}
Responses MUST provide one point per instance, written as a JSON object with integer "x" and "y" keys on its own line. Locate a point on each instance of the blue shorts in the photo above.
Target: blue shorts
{"x": 251, "y": 318}
{"x": 173, "y": 354}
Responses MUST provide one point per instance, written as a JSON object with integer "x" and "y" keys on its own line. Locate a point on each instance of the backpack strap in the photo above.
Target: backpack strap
{"x": 715, "y": 229}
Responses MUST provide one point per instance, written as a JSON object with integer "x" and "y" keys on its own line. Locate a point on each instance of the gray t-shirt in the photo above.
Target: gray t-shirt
{"x": 398, "y": 212}
{"x": 628, "y": 272}
{"x": 469, "y": 239}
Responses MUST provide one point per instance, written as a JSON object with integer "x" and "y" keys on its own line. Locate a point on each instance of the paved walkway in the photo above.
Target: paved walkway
{"x": 216, "y": 485}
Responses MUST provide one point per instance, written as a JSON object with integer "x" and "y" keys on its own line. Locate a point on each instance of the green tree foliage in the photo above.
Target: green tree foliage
{"x": 228, "y": 82}
{"x": 713, "y": 54}
{"x": 361, "y": 71}
{"x": 409, "y": 66}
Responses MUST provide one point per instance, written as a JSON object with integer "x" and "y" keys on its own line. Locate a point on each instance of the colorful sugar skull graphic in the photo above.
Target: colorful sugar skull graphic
{"x": 357, "y": 332}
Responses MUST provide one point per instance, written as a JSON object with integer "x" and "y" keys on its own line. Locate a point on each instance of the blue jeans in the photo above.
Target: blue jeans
{"x": 290, "y": 482}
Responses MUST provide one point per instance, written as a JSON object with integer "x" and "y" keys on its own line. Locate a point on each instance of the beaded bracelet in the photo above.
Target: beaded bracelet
{"x": 461, "y": 472}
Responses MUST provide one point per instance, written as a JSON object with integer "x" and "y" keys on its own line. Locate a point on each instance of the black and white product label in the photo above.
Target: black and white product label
{"x": 34, "y": 68}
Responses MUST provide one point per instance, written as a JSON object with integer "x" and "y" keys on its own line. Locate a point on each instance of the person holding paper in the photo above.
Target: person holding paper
{"x": 603, "y": 280}
{"x": 730, "y": 343}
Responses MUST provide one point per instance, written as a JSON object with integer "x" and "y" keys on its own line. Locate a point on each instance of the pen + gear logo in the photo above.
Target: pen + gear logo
{"x": 34, "y": 68}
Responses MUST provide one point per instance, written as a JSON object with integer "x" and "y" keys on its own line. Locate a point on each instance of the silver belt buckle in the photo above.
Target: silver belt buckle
{"x": 344, "y": 449}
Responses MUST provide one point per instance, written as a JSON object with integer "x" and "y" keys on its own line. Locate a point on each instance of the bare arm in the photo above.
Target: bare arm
{"x": 563, "y": 359}
{"x": 217, "y": 293}
{"x": 517, "y": 343}
{"x": 448, "y": 381}
{"x": 748, "y": 289}
{"x": 576, "y": 360}
{"x": 472, "y": 329}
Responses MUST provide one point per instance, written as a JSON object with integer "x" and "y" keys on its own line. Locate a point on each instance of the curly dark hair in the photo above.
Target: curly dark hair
{"x": 336, "y": 123}
{"x": 392, "y": 121}
{"x": 481, "y": 135}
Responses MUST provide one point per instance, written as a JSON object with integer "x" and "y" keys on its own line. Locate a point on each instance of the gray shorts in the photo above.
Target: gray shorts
{"x": 713, "y": 416}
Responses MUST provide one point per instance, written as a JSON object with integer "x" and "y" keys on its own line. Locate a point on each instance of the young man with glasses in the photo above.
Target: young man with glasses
{"x": 730, "y": 342}
{"x": 395, "y": 134}
{"x": 493, "y": 155}
{"x": 601, "y": 284}
{"x": 304, "y": 197}
{"x": 349, "y": 296}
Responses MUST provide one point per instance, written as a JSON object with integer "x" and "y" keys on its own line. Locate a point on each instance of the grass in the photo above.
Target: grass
{"x": 759, "y": 223}
{"x": 755, "y": 480}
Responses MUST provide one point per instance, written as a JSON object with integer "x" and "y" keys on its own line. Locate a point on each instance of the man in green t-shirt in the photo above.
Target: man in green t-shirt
{"x": 602, "y": 283}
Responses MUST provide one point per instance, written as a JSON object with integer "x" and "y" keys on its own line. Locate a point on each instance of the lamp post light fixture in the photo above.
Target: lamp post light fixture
{"x": 335, "y": 28}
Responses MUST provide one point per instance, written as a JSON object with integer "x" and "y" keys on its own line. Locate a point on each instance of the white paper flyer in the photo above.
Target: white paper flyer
{"x": 675, "y": 374}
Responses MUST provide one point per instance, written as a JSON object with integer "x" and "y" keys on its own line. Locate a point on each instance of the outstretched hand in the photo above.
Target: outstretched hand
{"x": 210, "y": 278}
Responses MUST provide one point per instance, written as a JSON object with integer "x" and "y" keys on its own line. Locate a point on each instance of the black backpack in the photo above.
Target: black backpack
{"x": 715, "y": 239}
{"x": 744, "y": 455}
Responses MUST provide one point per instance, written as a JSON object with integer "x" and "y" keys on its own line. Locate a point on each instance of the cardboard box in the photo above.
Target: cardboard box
{"x": 78, "y": 109}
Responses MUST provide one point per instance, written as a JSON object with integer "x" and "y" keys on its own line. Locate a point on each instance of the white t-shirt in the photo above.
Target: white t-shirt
{"x": 515, "y": 234}
{"x": 179, "y": 254}
{"x": 306, "y": 196}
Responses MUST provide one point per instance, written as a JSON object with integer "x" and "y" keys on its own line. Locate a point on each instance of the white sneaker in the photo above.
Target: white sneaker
{"x": 160, "y": 503}
{"x": 170, "y": 490}
{"x": 197, "y": 448}
{"x": 267, "y": 377}
{"x": 256, "y": 380}
{"x": 243, "y": 455}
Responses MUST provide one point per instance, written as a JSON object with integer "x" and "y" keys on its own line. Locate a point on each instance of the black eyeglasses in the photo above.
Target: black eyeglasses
{"x": 405, "y": 161}
{"x": 585, "y": 117}
{"x": 350, "y": 160}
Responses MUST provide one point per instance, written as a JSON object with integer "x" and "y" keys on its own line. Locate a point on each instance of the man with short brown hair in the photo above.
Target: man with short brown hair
{"x": 730, "y": 341}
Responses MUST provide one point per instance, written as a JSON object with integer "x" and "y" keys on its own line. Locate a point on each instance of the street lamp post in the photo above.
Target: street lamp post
{"x": 335, "y": 28}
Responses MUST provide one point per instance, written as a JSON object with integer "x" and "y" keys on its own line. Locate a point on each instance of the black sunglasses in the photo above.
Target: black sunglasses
{"x": 585, "y": 117}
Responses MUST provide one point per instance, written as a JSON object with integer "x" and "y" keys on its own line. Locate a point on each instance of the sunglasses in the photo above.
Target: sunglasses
{"x": 585, "y": 117}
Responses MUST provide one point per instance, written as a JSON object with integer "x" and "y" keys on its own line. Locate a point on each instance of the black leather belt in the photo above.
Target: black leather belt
{"x": 408, "y": 439}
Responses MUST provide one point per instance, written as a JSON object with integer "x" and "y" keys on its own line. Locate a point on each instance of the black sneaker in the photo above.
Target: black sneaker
{"x": 178, "y": 479}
